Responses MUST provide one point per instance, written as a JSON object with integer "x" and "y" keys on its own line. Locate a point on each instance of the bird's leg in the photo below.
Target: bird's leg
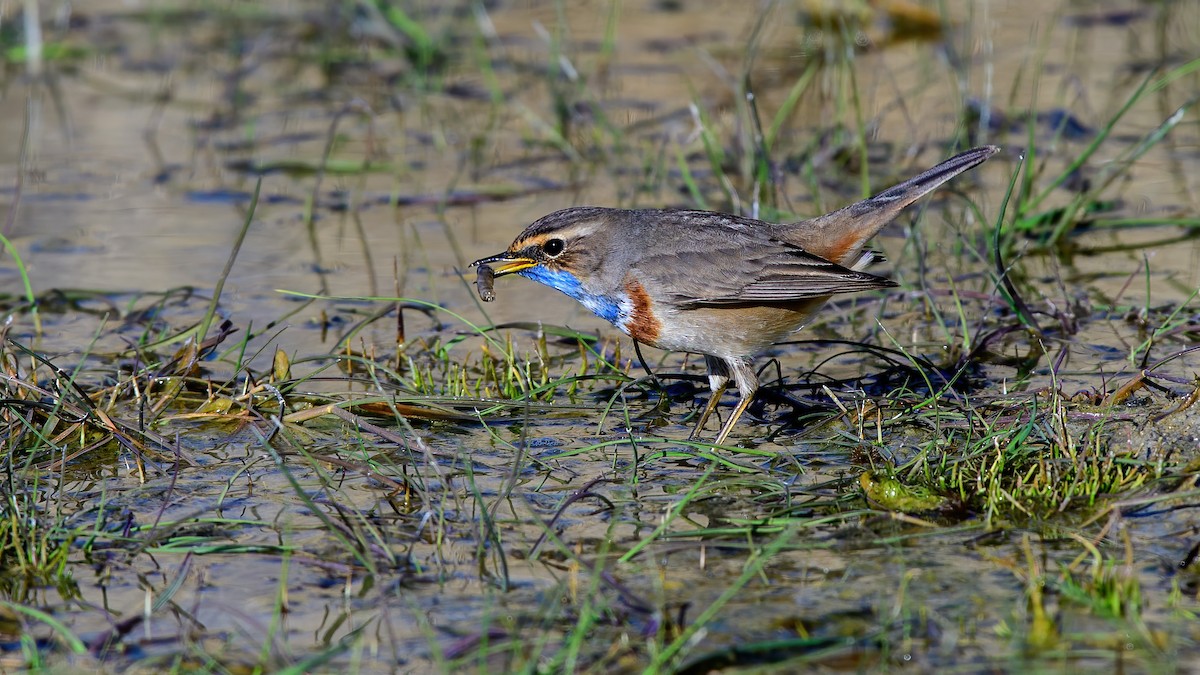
{"x": 746, "y": 381}
{"x": 718, "y": 382}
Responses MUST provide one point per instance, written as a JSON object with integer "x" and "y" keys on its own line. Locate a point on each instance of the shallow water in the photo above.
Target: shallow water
{"x": 136, "y": 165}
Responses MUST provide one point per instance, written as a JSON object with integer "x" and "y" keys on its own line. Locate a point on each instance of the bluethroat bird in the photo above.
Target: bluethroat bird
{"x": 720, "y": 285}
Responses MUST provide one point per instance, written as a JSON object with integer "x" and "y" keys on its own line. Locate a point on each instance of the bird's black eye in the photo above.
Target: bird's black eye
{"x": 553, "y": 247}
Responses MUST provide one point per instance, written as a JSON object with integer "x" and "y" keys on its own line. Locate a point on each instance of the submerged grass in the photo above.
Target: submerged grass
{"x": 971, "y": 463}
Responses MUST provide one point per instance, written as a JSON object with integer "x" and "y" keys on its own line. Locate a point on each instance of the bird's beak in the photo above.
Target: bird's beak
{"x": 506, "y": 263}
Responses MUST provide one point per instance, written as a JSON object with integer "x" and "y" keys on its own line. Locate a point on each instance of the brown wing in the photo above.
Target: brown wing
{"x": 751, "y": 270}
{"x": 790, "y": 275}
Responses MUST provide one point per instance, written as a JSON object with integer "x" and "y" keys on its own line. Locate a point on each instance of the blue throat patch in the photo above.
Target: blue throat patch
{"x": 606, "y": 308}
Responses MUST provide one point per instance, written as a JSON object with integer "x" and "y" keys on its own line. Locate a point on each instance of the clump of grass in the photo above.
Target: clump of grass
{"x": 1086, "y": 209}
{"x": 35, "y": 542}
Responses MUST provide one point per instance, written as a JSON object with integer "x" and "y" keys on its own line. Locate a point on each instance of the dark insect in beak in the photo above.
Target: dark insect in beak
{"x": 484, "y": 278}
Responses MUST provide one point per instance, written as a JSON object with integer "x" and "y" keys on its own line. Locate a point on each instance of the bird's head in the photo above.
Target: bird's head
{"x": 563, "y": 250}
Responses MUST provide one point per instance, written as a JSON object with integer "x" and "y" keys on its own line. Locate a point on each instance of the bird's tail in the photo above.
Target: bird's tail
{"x": 841, "y": 235}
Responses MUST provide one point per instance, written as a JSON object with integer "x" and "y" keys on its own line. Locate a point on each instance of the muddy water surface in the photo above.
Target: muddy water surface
{"x": 130, "y": 170}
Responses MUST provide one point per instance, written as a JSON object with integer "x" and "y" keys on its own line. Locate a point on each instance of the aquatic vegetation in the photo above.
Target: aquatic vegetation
{"x": 257, "y": 415}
